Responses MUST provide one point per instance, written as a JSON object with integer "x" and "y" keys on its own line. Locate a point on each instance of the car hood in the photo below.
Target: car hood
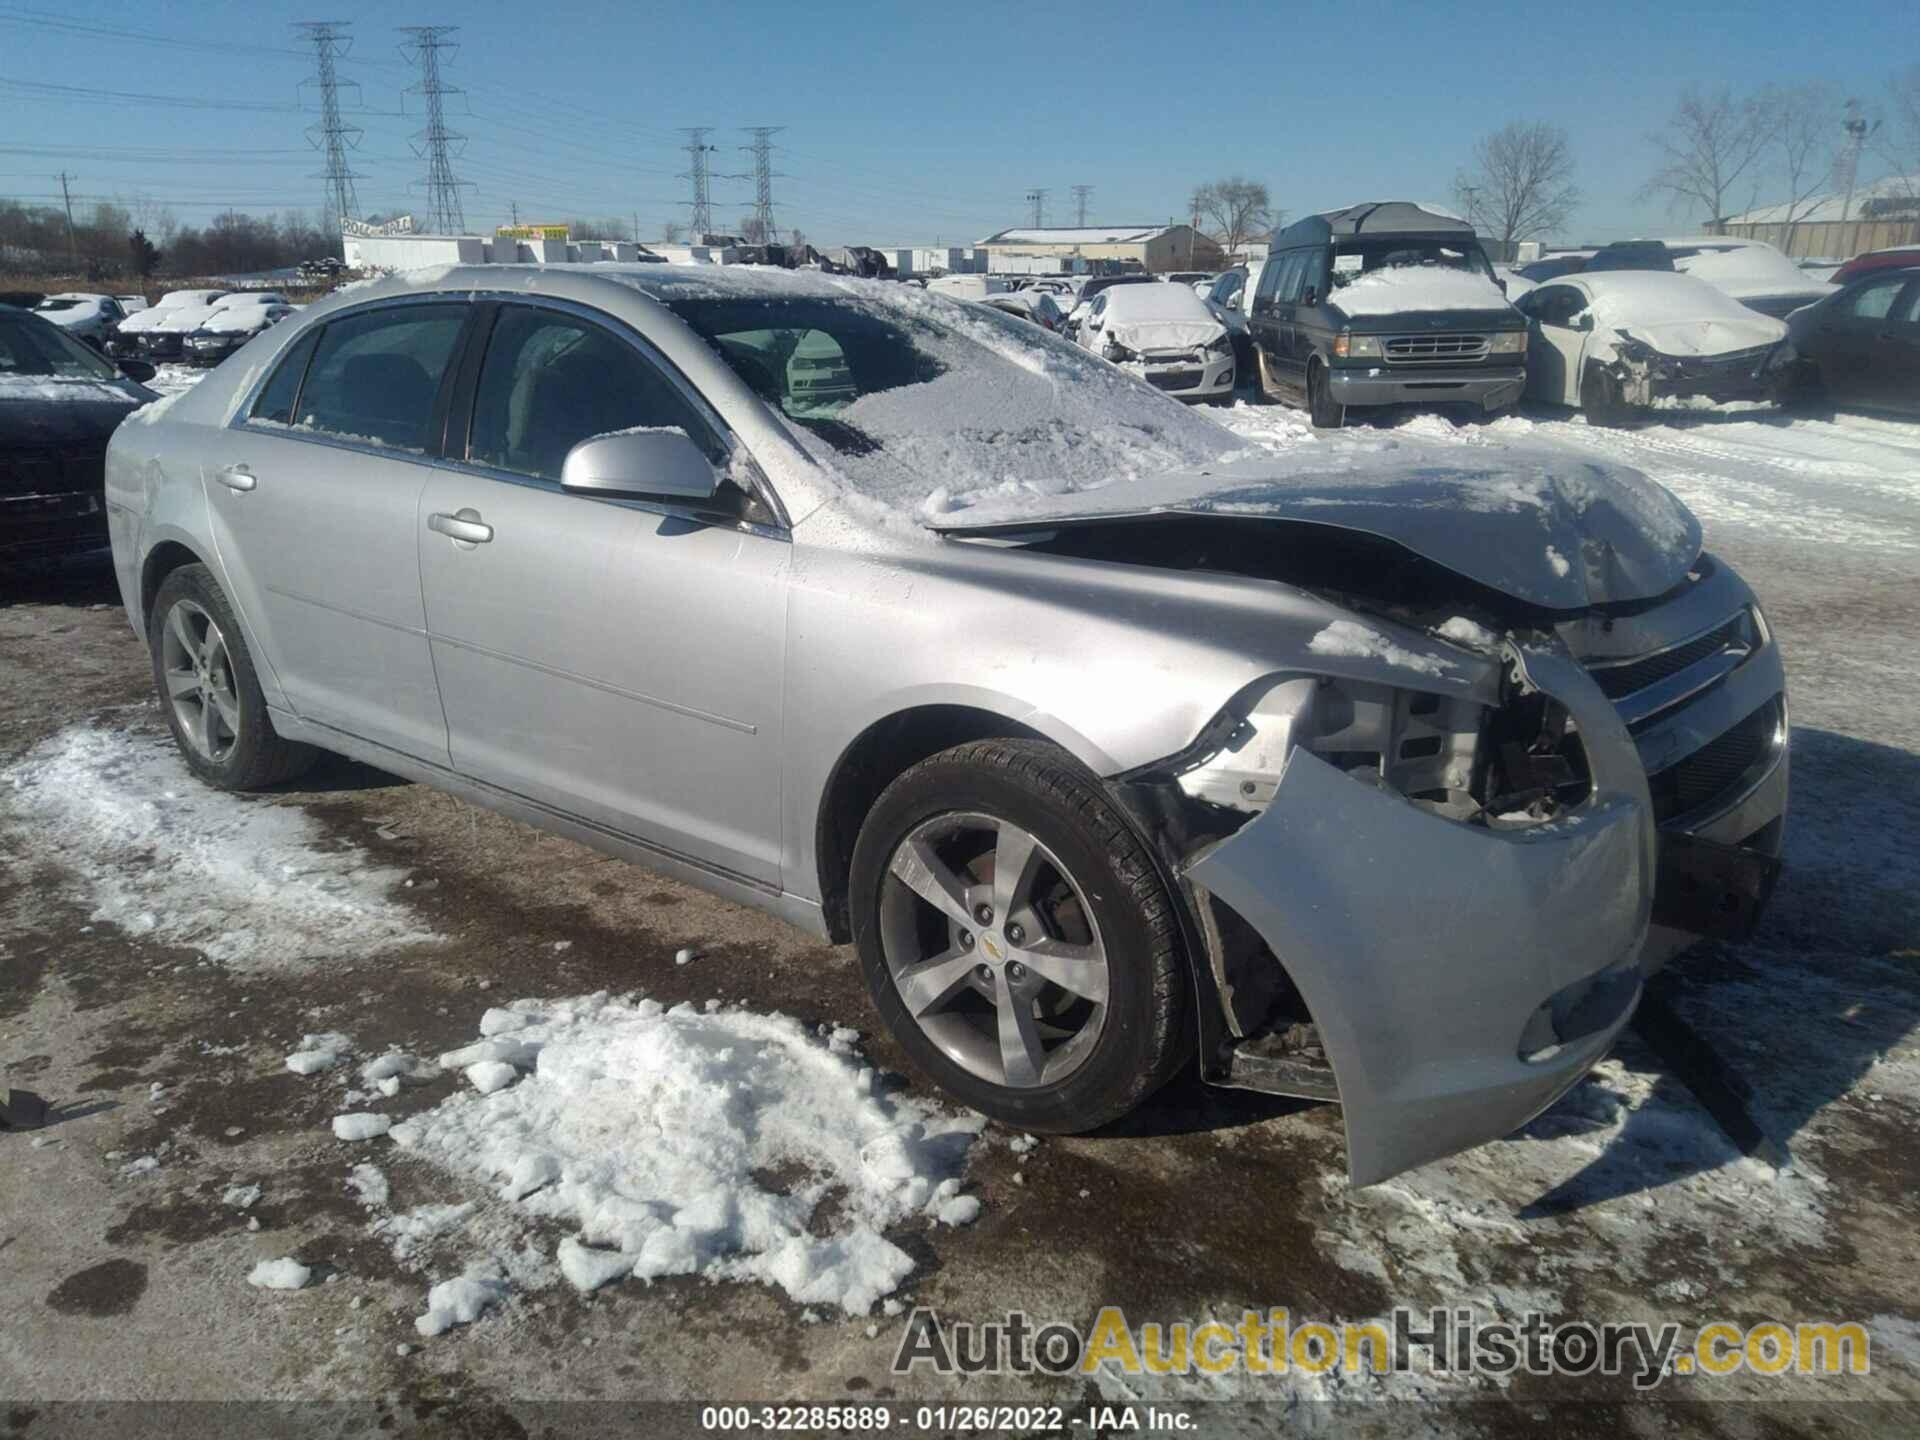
{"x": 1165, "y": 334}
{"x": 1538, "y": 525}
{"x": 1720, "y": 336}
{"x": 42, "y": 413}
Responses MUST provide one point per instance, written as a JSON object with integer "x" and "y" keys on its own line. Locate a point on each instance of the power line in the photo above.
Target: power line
{"x": 436, "y": 142}
{"x": 1038, "y": 199}
{"x": 700, "y": 207}
{"x": 332, "y": 134}
{"x": 1081, "y": 193}
{"x": 763, "y": 174}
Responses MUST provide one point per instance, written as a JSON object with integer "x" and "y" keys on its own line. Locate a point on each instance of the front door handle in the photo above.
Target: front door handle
{"x": 464, "y": 525}
{"x": 238, "y": 477}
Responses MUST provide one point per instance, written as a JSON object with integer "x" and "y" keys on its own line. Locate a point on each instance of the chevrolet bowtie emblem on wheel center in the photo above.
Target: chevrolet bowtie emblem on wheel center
{"x": 992, "y": 949}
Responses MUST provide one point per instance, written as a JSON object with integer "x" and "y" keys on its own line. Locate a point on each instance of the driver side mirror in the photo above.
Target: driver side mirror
{"x": 1582, "y": 321}
{"x": 640, "y": 464}
{"x": 1312, "y": 297}
{"x": 138, "y": 371}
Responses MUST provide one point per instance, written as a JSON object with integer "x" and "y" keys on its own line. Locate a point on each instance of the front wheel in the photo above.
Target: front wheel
{"x": 1602, "y": 400}
{"x": 1326, "y": 412}
{"x": 210, "y": 691}
{"x": 1017, "y": 938}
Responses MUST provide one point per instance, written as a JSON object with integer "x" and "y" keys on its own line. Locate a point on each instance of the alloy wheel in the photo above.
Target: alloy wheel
{"x": 199, "y": 679}
{"x": 994, "y": 950}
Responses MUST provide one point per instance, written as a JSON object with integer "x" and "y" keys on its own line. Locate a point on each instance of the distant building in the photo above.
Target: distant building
{"x": 1149, "y": 247}
{"x": 1884, "y": 213}
{"x": 405, "y": 250}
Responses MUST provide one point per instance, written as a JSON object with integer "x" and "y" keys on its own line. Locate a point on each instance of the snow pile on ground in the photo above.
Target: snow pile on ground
{"x": 721, "y": 1143}
{"x": 282, "y": 1274}
{"x": 1401, "y": 289}
{"x": 319, "y": 1052}
{"x": 158, "y": 853}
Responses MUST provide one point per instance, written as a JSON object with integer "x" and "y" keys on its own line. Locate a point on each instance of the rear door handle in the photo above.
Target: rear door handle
{"x": 464, "y": 525}
{"x": 237, "y": 477}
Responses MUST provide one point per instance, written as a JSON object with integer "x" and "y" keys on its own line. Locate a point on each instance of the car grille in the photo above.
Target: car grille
{"x": 1435, "y": 349}
{"x": 1173, "y": 379}
{"x": 1739, "y": 364}
{"x": 1617, "y": 682}
{"x": 1720, "y": 769}
{"x": 51, "y": 472}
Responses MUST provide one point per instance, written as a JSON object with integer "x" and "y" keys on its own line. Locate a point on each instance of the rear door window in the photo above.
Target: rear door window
{"x": 1874, "y": 299}
{"x": 375, "y": 376}
{"x": 276, "y": 399}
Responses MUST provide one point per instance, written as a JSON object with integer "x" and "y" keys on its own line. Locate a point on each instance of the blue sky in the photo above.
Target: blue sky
{"x": 905, "y": 123}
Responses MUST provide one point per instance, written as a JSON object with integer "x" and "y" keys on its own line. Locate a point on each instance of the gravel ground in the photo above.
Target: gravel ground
{"x": 125, "y": 1248}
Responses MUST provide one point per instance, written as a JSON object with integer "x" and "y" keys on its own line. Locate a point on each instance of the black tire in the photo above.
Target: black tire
{"x": 1601, "y": 400}
{"x": 1325, "y": 412}
{"x": 1806, "y": 396}
{"x": 257, "y": 756}
{"x": 1034, "y": 785}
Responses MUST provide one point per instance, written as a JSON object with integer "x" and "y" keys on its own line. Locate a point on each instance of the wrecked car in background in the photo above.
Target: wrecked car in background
{"x": 1166, "y": 335}
{"x": 1104, "y": 735}
{"x": 1615, "y": 342}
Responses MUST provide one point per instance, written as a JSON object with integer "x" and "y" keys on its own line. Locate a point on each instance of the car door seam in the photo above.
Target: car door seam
{"x": 745, "y": 727}
{"x": 348, "y": 611}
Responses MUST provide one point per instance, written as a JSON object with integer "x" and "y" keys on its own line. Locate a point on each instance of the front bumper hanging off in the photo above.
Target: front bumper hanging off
{"x": 1461, "y": 978}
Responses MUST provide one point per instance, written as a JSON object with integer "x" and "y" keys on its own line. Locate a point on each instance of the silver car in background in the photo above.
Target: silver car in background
{"x": 1105, "y": 736}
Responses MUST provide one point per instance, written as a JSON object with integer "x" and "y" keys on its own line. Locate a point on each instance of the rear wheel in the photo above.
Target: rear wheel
{"x": 1806, "y": 394}
{"x": 210, "y": 691}
{"x": 1325, "y": 412}
{"x": 1017, "y": 939}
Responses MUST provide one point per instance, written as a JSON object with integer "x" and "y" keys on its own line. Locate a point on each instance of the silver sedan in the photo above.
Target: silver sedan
{"x": 1108, "y": 739}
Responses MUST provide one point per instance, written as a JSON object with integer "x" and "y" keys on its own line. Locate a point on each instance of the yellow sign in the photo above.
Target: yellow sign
{"x": 532, "y": 232}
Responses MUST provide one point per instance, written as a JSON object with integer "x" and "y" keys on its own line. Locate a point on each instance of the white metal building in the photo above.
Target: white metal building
{"x": 1155, "y": 247}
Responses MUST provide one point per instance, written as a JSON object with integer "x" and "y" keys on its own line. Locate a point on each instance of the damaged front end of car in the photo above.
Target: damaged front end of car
{"x": 1645, "y": 374}
{"x": 1421, "y": 894}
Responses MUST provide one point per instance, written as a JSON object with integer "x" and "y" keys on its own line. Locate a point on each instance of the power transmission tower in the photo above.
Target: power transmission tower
{"x": 332, "y": 135}
{"x": 436, "y": 143}
{"x": 700, "y": 216}
{"x": 1080, "y": 194}
{"x": 763, "y": 174}
{"x": 1038, "y": 199}
{"x": 73, "y": 244}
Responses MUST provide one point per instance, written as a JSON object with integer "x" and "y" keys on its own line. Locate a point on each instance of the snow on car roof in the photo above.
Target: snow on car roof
{"x": 1397, "y": 289}
{"x": 1749, "y": 268}
{"x": 1640, "y": 297}
{"x": 1135, "y": 303}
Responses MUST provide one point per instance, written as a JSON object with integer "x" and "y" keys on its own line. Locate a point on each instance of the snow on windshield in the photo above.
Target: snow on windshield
{"x": 1398, "y": 289}
{"x": 915, "y": 400}
{"x": 1130, "y": 304}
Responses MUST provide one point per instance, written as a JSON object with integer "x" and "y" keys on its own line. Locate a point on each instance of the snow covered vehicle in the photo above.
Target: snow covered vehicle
{"x": 231, "y": 323}
{"x": 1614, "y": 342}
{"x": 92, "y": 318}
{"x": 1107, "y": 737}
{"x": 1166, "y": 335}
{"x": 1751, "y": 271}
{"x": 1386, "y": 303}
{"x": 154, "y": 333}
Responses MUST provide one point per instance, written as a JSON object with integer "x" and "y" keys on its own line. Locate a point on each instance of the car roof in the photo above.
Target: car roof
{"x": 1376, "y": 217}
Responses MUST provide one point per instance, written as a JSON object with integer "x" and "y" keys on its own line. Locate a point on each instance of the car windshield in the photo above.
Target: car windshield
{"x": 917, "y": 399}
{"x": 37, "y": 349}
{"x": 1354, "y": 258}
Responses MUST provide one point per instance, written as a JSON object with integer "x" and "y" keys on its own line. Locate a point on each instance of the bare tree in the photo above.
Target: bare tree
{"x": 1900, "y": 134}
{"x": 1520, "y": 183}
{"x": 1711, "y": 142}
{"x": 1233, "y": 211}
{"x": 753, "y": 230}
{"x": 671, "y": 232}
{"x": 1802, "y": 125}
